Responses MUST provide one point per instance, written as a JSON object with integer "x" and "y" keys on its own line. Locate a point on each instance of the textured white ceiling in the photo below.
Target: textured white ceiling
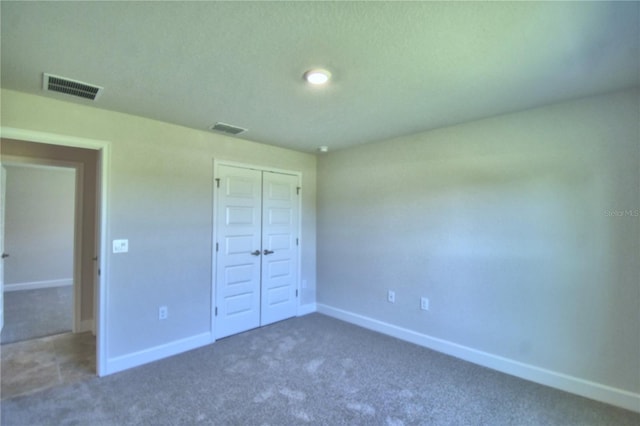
{"x": 398, "y": 67}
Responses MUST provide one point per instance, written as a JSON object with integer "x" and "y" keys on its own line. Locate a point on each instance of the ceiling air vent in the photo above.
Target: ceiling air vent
{"x": 227, "y": 128}
{"x": 54, "y": 83}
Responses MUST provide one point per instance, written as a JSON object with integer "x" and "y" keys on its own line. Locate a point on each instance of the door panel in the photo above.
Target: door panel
{"x": 279, "y": 235}
{"x": 257, "y": 257}
{"x": 238, "y": 270}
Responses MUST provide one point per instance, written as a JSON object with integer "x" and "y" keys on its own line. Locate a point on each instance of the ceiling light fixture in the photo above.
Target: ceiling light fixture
{"x": 317, "y": 76}
{"x": 323, "y": 149}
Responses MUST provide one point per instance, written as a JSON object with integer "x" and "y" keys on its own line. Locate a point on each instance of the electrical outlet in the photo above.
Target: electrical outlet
{"x": 391, "y": 296}
{"x": 424, "y": 303}
{"x": 120, "y": 246}
{"x": 163, "y": 313}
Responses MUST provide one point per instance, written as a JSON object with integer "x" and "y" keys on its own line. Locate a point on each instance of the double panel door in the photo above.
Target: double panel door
{"x": 256, "y": 248}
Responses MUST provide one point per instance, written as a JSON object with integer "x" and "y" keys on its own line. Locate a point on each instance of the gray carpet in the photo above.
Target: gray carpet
{"x": 309, "y": 370}
{"x": 29, "y": 314}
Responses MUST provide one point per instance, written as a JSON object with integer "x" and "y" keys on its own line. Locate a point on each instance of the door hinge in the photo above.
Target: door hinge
{"x": 98, "y": 271}
{"x": 298, "y": 190}
{"x": 218, "y": 182}
{"x": 296, "y": 292}
{"x": 216, "y": 311}
{"x": 297, "y": 242}
{"x": 217, "y": 247}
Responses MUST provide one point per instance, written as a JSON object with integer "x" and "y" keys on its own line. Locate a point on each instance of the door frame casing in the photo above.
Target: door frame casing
{"x": 222, "y": 162}
{"x": 103, "y": 147}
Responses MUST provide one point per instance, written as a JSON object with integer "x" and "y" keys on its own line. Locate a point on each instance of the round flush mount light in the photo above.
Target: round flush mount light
{"x": 323, "y": 149}
{"x": 317, "y": 76}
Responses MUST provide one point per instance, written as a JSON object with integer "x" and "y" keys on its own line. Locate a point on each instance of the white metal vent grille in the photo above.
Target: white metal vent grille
{"x": 71, "y": 87}
{"x": 227, "y": 128}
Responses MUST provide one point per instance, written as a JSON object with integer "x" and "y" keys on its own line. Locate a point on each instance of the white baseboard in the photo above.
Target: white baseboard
{"x": 575, "y": 385}
{"x": 35, "y": 285}
{"x": 307, "y": 309}
{"x": 156, "y": 353}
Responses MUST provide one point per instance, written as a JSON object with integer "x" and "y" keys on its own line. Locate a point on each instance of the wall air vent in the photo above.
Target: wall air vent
{"x": 54, "y": 83}
{"x": 227, "y": 128}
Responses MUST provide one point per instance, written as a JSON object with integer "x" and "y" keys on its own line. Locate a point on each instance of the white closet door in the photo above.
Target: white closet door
{"x": 239, "y": 217}
{"x": 279, "y": 247}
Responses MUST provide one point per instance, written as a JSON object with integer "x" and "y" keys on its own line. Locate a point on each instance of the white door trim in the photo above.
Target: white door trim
{"x": 104, "y": 162}
{"x": 222, "y": 162}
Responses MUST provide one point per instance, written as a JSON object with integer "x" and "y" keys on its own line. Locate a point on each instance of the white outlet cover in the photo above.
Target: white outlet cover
{"x": 120, "y": 246}
{"x": 163, "y": 312}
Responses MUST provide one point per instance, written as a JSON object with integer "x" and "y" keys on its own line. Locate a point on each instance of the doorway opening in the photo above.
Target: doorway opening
{"x": 88, "y": 158}
{"x": 41, "y": 291}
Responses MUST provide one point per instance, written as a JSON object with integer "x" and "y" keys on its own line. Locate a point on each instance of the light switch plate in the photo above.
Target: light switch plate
{"x": 120, "y": 246}
{"x": 424, "y": 303}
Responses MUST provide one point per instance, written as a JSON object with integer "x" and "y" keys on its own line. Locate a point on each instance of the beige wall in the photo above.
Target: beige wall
{"x": 160, "y": 183}
{"x": 508, "y": 225}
